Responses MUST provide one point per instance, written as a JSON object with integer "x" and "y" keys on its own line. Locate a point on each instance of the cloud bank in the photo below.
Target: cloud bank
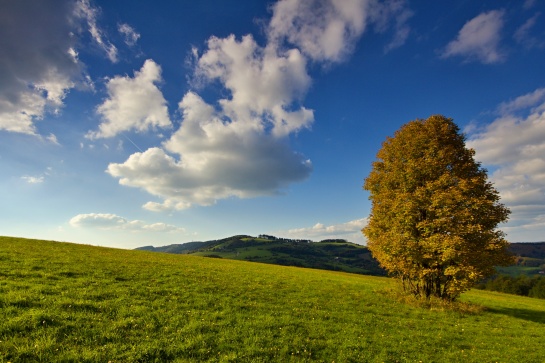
{"x": 238, "y": 146}
{"x": 514, "y": 146}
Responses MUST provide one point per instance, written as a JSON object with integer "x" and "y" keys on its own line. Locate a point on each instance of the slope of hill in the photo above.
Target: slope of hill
{"x": 529, "y": 249}
{"x": 333, "y": 254}
{"x": 62, "y": 302}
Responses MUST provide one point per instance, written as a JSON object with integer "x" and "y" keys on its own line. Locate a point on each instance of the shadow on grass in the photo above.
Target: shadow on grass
{"x": 526, "y": 314}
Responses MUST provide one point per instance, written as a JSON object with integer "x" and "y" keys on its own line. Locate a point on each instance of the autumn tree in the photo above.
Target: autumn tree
{"x": 434, "y": 216}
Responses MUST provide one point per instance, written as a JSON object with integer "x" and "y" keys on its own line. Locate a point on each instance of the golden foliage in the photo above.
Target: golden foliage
{"x": 434, "y": 213}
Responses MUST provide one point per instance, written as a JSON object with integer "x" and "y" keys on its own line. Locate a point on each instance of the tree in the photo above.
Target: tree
{"x": 434, "y": 214}
{"x": 538, "y": 290}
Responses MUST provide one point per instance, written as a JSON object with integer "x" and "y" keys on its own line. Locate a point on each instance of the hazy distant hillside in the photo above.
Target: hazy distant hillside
{"x": 529, "y": 249}
{"x": 333, "y": 254}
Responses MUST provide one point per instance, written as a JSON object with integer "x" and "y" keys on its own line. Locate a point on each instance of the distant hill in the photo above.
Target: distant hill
{"x": 330, "y": 254}
{"x": 528, "y": 249}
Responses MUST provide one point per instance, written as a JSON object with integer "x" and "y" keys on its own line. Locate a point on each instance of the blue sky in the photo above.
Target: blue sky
{"x": 130, "y": 123}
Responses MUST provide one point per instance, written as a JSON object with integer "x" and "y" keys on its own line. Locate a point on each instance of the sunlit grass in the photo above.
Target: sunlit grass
{"x": 75, "y": 303}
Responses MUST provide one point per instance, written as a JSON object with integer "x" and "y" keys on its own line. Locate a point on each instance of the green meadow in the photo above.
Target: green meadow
{"x": 62, "y": 302}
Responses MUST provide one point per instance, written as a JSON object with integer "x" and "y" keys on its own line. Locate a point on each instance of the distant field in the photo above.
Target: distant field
{"x": 517, "y": 270}
{"x": 64, "y": 302}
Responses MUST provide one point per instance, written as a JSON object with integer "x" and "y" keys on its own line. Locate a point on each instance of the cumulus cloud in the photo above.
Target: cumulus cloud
{"x": 239, "y": 145}
{"x": 262, "y": 83}
{"x": 133, "y": 104}
{"x": 351, "y": 231}
{"x": 39, "y": 62}
{"x": 479, "y": 39}
{"x": 108, "y": 221}
{"x": 242, "y": 166}
{"x": 514, "y": 146}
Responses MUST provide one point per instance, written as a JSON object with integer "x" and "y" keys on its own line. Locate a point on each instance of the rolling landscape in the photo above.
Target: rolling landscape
{"x": 330, "y": 254}
{"x": 63, "y": 302}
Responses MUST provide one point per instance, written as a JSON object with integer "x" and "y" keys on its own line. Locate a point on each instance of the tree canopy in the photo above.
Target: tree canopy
{"x": 434, "y": 215}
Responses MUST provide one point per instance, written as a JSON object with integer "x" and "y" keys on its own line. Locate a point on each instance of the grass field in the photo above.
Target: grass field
{"x": 65, "y": 302}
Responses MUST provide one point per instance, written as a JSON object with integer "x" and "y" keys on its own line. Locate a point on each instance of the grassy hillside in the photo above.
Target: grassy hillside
{"x": 336, "y": 255}
{"x": 63, "y": 302}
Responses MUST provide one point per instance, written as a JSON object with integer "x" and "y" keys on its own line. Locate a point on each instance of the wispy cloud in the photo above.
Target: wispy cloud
{"x": 33, "y": 179}
{"x": 525, "y": 102}
{"x": 479, "y": 39}
{"x": 351, "y": 231}
{"x": 524, "y": 36}
{"x": 86, "y": 11}
{"x": 108, "y": 221}
{"x": 38, "y": 179}
{"x": 131, "y": 36}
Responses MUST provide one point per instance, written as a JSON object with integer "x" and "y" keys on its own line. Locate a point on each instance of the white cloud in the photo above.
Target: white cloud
{"x": 523, "y": 34}
{"x": 52, "y": 139}
{"x": 401, "y": 14}
{"x": 131, "y": 36}
{"x": 33, "y": 179}
{"x": 529, "y": 4}
{"x": 133, "y": 103}
{"x": 514, "y": 145}
{"x": 39, "y": 62}
{"x": 225, "y": 165}
{"x": 527, "y": 101}
{"x": 114, "y": 222}
{"x": 479, "y": 39}
{"x": 238, "y": 146}
{"x": 90, "y": 13}
{"x": 351, "y": 231}
{"x": 327, "y": 30}
{"x": 263, "y": 84}
{"x": 37, "y": 67}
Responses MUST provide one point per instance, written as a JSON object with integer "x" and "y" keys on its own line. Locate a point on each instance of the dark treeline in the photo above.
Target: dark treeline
{"x": 520, "y": 285}
{"x": 280, "y": 239}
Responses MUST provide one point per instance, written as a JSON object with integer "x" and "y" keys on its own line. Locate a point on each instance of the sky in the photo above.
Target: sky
{"x": 135, "y": 122}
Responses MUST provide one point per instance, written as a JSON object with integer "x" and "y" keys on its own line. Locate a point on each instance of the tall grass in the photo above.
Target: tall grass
{"x": 64, "y": 302}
